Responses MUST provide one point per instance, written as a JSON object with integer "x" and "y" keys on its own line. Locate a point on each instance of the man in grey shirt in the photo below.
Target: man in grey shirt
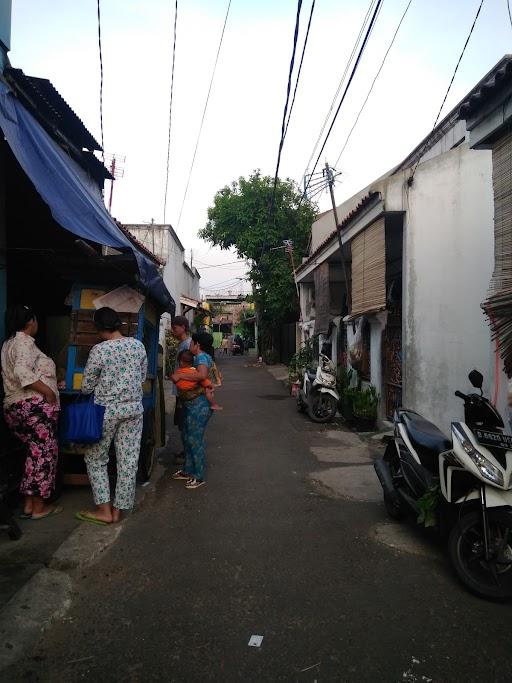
{"x": 180, "y": 329}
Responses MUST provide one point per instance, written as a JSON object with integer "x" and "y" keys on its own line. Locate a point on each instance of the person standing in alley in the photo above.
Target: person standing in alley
{"x": 196, "y": 413}
{"x": 180, "y": 329}
{"x": 225, "y": 344}
{"x": 31, "y": 409}
{"x": 115, "y": 372}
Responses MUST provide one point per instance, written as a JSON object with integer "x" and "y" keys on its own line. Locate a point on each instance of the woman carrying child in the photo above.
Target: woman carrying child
{"x": 198, "y": 408}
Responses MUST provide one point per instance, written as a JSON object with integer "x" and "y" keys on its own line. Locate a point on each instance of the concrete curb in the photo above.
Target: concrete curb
{"x": 84, "y": 546}
{"x": 47, "y": 596}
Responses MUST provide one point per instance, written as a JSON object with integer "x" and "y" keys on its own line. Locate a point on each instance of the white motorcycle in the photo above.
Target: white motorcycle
{"x": 468, "y": 481}
{"x": 318, "y": 393}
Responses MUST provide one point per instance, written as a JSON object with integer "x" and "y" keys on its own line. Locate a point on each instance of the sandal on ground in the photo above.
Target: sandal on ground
{"x": 25, "y": 515}
{"x": 181, "y": 475}
{"x": 51, "y": 513}
{"x": 91, "y": 519}
{"x": 194, "y": 483}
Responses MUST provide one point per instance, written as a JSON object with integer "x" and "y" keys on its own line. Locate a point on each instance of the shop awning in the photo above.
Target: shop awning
{"x": 68, "y": 192}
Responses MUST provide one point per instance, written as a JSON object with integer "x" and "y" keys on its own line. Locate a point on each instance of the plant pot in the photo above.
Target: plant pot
{"x": 294, "y": 389}
{"x": 346, "y": 410}
{"x": 364, "y": 423}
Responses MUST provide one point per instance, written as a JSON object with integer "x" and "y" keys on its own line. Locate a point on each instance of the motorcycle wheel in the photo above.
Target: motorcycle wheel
{"x": 394, "y": 508}
{"x": 491, "y": 579}
{"x": 322, "y": 407}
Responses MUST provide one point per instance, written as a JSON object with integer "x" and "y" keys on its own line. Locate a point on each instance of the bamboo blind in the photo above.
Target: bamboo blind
{"x": 499, "y": 302}
{"x": 369, "y": 269}
{"x": 502, "y": 182}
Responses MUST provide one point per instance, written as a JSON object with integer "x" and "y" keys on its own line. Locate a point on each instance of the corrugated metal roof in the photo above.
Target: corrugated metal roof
{"x": 367, "y": 199}
{"x": 46, "y": 103}
{"x": 487, "y": 88}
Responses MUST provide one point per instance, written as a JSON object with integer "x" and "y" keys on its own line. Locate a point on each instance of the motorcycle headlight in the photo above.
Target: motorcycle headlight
{"x": 485, "y": 467}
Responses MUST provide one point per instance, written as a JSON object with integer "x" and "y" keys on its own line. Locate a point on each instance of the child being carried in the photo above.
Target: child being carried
{"x": 188, "y": 389}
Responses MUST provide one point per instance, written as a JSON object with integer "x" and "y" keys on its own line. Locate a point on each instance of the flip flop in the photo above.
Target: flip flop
{"x": 55, "y": 511}
{"x": 84, "y": 517}
{"x": 25, "y": 515}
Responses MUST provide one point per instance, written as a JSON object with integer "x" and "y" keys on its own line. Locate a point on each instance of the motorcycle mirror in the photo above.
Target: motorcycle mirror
{"x": 476, "y": 378}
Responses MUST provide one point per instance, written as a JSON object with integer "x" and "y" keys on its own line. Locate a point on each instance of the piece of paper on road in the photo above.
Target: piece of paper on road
{"x": 255, "y": 641}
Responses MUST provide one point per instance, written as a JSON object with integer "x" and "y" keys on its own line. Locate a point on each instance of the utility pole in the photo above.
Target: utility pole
{"x": 191, "y": 258}
{"x": 329, "y": 175}
{"x": 288, "y": 247}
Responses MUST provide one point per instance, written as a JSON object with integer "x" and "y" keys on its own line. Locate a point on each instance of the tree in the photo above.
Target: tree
{"x": 242, "y": 217}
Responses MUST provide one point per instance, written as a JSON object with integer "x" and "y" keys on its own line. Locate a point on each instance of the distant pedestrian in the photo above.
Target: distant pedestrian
{"x": 115, "y": 372}
{"x": 196, "y": 413}
{"x": 31, "y": 409}
{"x": 225, "y": 345}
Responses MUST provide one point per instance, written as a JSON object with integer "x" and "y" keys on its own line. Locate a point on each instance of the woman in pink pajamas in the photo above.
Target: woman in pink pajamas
{"x": 31, "y": 409}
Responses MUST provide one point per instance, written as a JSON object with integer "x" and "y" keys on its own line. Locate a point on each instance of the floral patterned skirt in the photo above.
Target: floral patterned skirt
{"x": 34, "y": 422}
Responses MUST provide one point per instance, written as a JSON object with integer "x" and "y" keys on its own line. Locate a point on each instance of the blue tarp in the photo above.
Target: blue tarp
{"x": 67, "y": 191}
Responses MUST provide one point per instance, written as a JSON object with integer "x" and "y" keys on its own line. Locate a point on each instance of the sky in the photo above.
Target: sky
{"x": 241, "y": 132}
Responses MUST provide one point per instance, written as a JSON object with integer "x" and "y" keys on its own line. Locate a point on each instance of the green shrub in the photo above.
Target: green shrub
{"x": 343, "y": 378}
{"x": 300, "y": 361}
{"x": 365, "y": 402}
{"x": 270, "y": 357}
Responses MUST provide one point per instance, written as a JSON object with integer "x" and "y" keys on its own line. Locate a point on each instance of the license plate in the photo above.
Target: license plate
{"x": 494, "y": 439}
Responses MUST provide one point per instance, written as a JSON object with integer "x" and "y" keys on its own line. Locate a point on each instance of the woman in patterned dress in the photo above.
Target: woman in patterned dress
{"x": 196, "y": 414}
{"x": 115, "y": 372}
{"x": 31, "y": 409}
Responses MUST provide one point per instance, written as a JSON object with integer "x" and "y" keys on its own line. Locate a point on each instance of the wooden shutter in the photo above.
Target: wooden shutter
{"x": 369, "y": 270}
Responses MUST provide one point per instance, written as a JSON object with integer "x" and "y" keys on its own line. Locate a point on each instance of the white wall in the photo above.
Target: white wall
{"x": 448, "y": 262}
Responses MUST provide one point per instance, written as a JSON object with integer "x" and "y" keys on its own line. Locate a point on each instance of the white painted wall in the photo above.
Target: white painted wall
{"x": 448, "y": 262}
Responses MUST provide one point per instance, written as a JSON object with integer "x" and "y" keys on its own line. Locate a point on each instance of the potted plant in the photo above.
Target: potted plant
{"x": 294, "y": 375}
{"x": 347, "y": 402}
{"x": 343, "y": 379}
{"x": 364, "y": 406}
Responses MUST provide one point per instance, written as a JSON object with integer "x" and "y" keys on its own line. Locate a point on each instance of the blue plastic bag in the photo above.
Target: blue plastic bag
{"x": 82, "y": 421}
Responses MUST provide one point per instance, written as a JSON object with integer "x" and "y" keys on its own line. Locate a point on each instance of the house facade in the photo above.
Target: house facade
{"x": 418, "y": 254}
{"x": 181, "y": 279}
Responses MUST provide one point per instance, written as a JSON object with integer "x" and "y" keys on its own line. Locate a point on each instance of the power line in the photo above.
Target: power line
{"x": 509, "y": 13}
{"x": 221, "y": 265}
{"x": 300, "y": 66}
{"x": 204, "y": 111}
{"x": 101, "y": 82}
{"x": 353, "y": 73}
{"x": 285, "y": 110}
{"x": 170, "y": 107}
{"x": 373, "y": 82}
{"x": 449, "y": 87}
{"x": 222, "y": 282}
{"x": 326, "y": 120}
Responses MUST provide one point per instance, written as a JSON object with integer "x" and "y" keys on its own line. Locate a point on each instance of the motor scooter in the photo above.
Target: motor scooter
{"x": 318, "y": 393}
{"x": 466, "y": 481}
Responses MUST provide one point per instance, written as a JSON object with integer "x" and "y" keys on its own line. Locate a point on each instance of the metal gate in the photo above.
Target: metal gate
{"x": 392, "y": 364}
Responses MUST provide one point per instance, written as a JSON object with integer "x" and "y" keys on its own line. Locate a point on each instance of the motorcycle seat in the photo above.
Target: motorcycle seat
{"x": 427, "y": 439}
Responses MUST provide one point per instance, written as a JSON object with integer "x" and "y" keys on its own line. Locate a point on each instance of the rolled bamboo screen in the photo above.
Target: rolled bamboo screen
{"x": 369, "y": 270}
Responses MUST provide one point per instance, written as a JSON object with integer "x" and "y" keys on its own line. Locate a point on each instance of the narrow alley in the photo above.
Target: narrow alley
{"x": 269, "y": 547}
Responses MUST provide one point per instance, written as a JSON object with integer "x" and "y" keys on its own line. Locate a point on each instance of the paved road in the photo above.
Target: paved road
{"x": 264, "y": 550}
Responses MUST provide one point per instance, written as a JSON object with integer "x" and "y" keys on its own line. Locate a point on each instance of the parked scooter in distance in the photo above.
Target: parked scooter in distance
{"x": 318, "y": 393}
{"x": 472, "y": 473}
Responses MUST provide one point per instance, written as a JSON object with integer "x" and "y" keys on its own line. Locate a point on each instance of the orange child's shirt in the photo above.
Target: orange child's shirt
{"x": 185, "y": 384}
